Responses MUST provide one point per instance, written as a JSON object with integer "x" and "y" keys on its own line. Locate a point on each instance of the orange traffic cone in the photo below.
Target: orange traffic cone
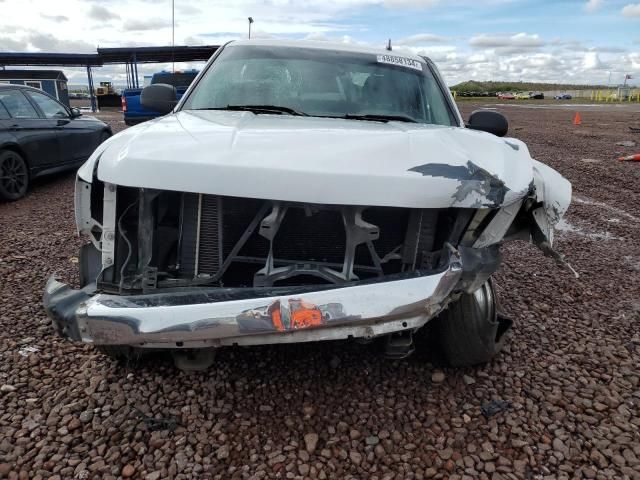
{"x": 577, "y": 120}
{"x": 630, "y": 158}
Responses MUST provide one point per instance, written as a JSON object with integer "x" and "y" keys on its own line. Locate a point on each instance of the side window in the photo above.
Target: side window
{"x": 33, "y": 84}
{"x": 17, "y": 104}
{"x": 50, "y": 107}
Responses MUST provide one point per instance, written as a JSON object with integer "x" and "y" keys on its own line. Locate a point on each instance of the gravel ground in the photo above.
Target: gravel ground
{"x": 564, "y": 393}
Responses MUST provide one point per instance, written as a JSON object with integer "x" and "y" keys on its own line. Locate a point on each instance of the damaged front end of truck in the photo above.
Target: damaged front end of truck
{"x": 302, "y": 192}
{"x": 180, "y": 270}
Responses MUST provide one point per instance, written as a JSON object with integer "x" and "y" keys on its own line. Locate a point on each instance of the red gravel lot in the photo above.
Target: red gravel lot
{"x": 339, "y": 410}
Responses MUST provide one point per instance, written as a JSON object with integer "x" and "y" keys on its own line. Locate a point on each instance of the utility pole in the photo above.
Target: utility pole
{"x": 173, "y": 36}
{"x": 250, "y": 22}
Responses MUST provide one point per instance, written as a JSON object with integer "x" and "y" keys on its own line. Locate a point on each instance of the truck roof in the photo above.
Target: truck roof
{"x": 333, "y": 46}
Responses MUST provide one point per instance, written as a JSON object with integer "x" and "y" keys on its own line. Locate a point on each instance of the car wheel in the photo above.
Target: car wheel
{"x": 14, "y": 176}
{"x": 470, "y": 331}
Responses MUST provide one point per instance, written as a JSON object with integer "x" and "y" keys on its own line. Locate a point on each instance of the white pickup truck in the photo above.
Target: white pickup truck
{"x": 300, "y": 192}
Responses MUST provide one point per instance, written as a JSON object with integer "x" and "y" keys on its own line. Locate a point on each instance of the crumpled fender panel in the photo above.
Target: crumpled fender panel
{"x": 554, "y": 192}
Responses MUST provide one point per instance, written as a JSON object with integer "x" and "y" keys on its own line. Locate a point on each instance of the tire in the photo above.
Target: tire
{"x": 14, "y": 176}
{"x": 470, "y": 331}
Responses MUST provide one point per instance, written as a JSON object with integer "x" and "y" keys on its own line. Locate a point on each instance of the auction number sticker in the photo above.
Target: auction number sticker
{"x": 401, "y": 61}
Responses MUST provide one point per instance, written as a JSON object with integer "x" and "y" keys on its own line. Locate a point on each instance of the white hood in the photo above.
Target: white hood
{"x": 316, "y": 160}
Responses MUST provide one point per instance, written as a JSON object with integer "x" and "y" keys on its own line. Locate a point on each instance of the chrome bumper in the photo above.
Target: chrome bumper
{"x": 216, "y": 317}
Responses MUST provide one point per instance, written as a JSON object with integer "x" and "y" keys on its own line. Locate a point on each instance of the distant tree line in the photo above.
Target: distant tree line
{"x": 495, "y": 87}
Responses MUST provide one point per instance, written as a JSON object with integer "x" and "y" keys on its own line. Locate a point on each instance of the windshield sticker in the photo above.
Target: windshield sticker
{"x": 401, "y": 61}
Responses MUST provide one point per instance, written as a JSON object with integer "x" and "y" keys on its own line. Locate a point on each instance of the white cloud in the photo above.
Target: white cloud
{"x": 9, "y": 44}
{"x": 100, "y": 13}
{"x": 187, "y": 9}
{"x": 516, "y": 41}
{"x": 631, "y": 10}
{"x": 592, "y": 61}
{"x": 607, "y": 49}
{"x": 142, "y": 24}
{"x": 323, "y": 37}
{"x": 593, "y": 5}
{"x": 49, "y": 43}
{"x": 193, "y": 40}
{"x": 55, "y": 18}
{"x": 420, "y": 39}
{"x": 410, "y": 3}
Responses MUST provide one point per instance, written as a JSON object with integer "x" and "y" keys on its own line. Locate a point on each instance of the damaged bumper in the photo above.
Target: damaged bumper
{"x": 200, "y": 317}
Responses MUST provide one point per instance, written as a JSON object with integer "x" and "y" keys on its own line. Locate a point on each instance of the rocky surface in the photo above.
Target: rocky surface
{"x": 568, "y": 382}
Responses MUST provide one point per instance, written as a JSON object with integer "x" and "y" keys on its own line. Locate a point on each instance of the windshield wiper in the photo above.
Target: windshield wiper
{"x": 276, "y": 109}
{"x": 380, "y": 118}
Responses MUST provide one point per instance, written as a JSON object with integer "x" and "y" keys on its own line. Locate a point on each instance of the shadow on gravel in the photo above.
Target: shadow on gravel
{"x": 49, "y": 180}
{"x": 327, "y": 360}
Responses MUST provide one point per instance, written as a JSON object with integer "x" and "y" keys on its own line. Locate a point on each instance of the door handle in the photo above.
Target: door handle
{"x": 15, "y": 127}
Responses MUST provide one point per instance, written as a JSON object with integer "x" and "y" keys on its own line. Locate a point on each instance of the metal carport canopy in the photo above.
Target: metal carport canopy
{"x": 130, "y": 56}
{"x": 156, "y": 54}
{"x": 49, "y": 59}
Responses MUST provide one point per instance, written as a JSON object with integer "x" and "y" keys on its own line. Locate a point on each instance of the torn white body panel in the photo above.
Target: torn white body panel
{"x": 554, "y": 191}
{"x": 317, "y": 160}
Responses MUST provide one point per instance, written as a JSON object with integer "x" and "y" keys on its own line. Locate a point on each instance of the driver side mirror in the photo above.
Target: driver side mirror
{"x": 160, "y": 97}
{"x": 75, "y": 112}
{"x": 488, "y": 121}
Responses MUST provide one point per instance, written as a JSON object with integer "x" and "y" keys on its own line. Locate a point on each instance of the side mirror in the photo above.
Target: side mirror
{"x": 75, "y": 112}
{"x": 489, "y": 121}
{"x": 159, "y": 97}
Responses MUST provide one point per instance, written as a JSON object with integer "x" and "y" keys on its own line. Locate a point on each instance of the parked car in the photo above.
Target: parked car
{"x": 39, "y": 136}
{"x": 563, "y": 96}
{"x": 506, "y": 96}
{"x": 134, "y": 113}
{"x": 537, "y": 95}
{"x": 523, "y": 95}
{"x": 301, "y": 192}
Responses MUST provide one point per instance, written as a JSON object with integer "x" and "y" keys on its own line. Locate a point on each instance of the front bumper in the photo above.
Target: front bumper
{"x": 201, "y": 317}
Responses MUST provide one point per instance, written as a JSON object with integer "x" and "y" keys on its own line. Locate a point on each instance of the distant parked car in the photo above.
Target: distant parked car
{"x": 506, "y": 96}
{"x": 523, "y": 96}
{"x": 39, "y": 135}
{"x": 537, "y": 95}
{"x": 78, "y": 95}
{"x": 563, "y": 96}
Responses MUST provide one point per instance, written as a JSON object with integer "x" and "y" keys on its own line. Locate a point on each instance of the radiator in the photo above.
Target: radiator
{"x": 212, "y": 225}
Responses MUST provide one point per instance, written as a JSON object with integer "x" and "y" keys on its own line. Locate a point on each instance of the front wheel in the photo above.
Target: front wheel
{"x": 14, "y": 176}
{"x": 470, "y": 330}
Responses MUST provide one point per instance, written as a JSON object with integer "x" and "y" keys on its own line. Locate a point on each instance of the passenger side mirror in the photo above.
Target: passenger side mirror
{"x": 75, "y": 113}
{"x": 489, "y": 121}
{"x": 159, "y": 97}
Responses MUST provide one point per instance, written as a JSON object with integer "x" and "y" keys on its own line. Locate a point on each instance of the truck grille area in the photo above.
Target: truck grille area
{"x": 212, "y": 240}
{"x": 248, "y": 242}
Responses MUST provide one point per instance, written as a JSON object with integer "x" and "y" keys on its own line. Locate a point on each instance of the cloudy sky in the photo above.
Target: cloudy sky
{"x": 577, "y": 41}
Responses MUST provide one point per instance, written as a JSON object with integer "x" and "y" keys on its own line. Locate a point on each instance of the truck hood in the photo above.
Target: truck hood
{"x": 316, "y": 160}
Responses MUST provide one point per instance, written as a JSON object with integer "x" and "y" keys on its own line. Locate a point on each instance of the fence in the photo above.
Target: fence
{"x": 602, "y": 95}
